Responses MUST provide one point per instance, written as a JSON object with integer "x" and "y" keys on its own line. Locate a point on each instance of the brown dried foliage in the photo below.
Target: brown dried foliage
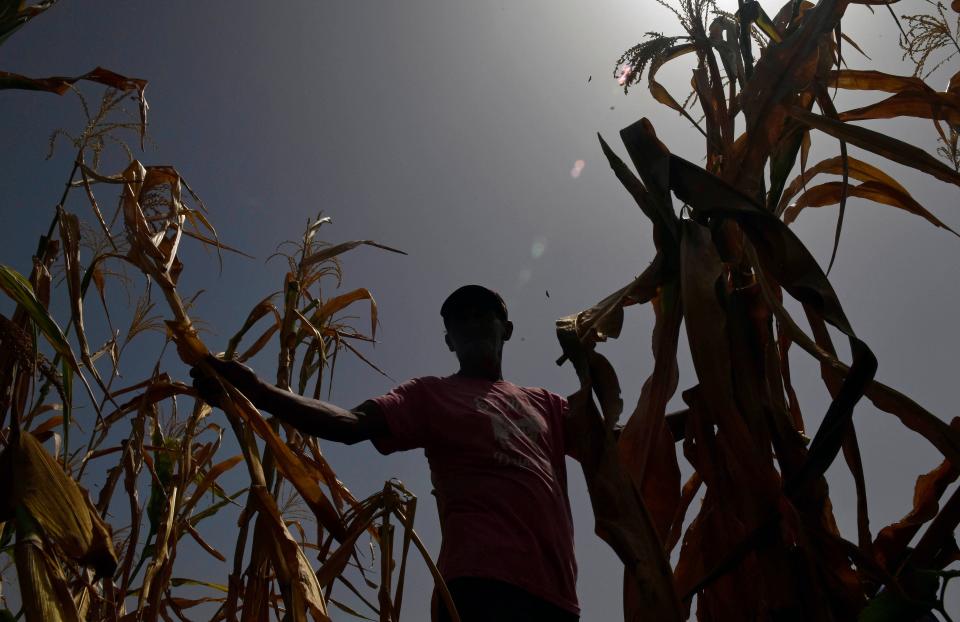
{"x": 162, "y": 475}
{"x": 764, "y": 543}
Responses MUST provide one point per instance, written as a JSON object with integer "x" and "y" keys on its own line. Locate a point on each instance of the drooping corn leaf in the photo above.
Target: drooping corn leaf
{"x": 259, "y": 310}
{"x": 157, "y": 390}
{"x": 209, "y": 479}
{"x": 881, "y": 144}
{"x": 60, "y": 84}
{"x": 826, "y": 104}
{"x": 620, "y": 516}
{"x": 646, "y": 447}
{"x": 851, "y": 448}
{"x": 66, "y": 372}
{"x": 937, "y": 547}
{"x": 920, "y": 104}
{"x": 338, "y": 303}
{"x": 605, "y": 319}
{"x": 857, "y": 169}
{"x": 892, "y": 541}
{"x": 872, "y": 80}
{"x": 877, "y": 191}
{"x": 652, "y": 198}
{"x": 657, "y": 90}
{"x": 888, "y": 400}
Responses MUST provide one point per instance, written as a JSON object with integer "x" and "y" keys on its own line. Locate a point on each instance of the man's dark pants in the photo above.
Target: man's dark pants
{"x": 486, "y": 600}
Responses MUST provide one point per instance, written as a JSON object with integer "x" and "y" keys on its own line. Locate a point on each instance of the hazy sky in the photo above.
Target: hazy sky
{"x": 450, "y": 129}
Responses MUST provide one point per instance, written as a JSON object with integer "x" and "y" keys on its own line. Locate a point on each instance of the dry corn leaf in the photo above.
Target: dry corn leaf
{"x": 651, "y": 197}
{"x": 877, "y": 191}
{"x": 209, "y": 479}
{"x": 937, "y": 547}
{"x": 158, "y": 389}
{"x": 856, "y": 169}
{"x": 925, "y": 104}
{"x": 888, "y": 400}
{"x": 881, "y": 144}
{"x": 293, "y": 468}
{"x": 871, "y": 80}
{"x": 61, "y": 85}
{"x": 605, "y": 319}
{"x": 891, "y": 543}
{"x": 334, "y": 564}
{"x": 338, "y": 249}
{"x": 646, "y": 446}
{"x": 657, "y": 90}
{"x": 292, "y": 568}
{"x": 259, "y": 310}
{"x": 157, "y": 576}
{"x": 619, "y": 513}
{"x": 338, "y": 303}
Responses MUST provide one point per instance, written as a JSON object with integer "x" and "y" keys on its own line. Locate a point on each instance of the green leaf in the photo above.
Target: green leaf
{"x": 890, "y": 607}
{"x": 20, "y": 291}
{"x": 163, "y": 466}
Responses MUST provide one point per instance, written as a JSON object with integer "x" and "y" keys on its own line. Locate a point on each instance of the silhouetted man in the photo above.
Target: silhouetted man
{"x": 496, "y": 454}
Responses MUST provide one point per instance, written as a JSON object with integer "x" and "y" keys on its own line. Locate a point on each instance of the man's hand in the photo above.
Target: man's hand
{"x": 237, "y": 374}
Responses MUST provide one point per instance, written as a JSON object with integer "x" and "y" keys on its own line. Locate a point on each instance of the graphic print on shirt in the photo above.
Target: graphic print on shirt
{"x": 516, "y": 427}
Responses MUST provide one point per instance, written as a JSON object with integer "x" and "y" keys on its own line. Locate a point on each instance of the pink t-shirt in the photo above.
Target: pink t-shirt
{"x": 496, "y": 455}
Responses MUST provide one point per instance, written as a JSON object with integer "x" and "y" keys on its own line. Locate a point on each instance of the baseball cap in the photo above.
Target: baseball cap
{"x": 473, "y": 295}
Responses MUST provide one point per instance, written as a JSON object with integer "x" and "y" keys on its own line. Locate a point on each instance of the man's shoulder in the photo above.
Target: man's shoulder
{"x": 537, "y": 391}
{"x": 544, "y": 397}
{"x": 420, "y": 383}
{"x": 426, "y": 380}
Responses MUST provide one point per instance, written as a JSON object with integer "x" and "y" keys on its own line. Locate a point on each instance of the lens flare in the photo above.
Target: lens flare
{"x": 538, "y": 247}
{"x": 577, "y": 168}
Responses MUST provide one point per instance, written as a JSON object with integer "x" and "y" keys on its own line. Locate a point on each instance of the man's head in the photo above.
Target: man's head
{"x": 477, "y": 326}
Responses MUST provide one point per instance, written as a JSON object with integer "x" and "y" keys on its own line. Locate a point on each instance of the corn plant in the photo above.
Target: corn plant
{"x": 764, "y": 543}
{"x": 159, "y": 470}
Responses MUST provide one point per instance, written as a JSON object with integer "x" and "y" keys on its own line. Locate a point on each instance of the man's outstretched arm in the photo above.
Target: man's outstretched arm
{"x": 309, "y": 416}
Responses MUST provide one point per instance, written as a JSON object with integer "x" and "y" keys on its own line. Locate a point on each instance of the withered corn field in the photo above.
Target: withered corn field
{"x": 749, "y": 535}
